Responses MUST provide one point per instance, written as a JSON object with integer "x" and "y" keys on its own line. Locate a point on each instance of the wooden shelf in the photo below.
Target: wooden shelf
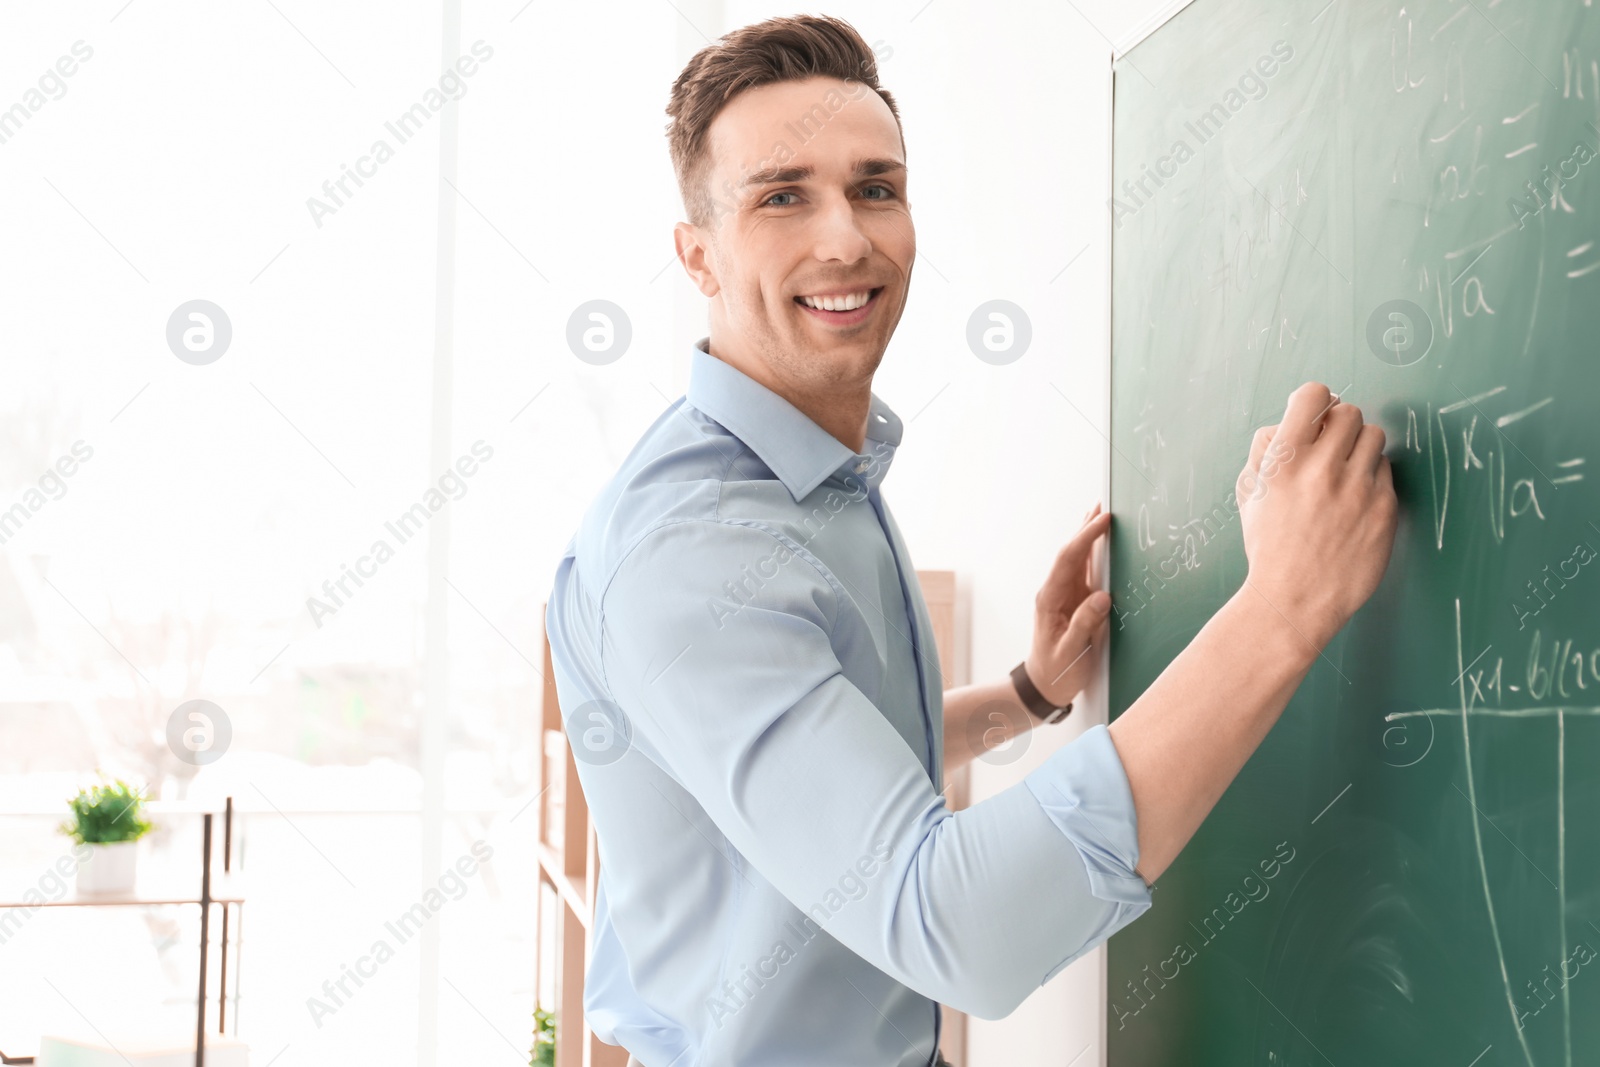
{"x": 225, "y": 888}
{"x": 229, "y": 890}
{"x": 573, "y": 895}
{"x": 568, "y": 863}
{"x": 939, "y": 592}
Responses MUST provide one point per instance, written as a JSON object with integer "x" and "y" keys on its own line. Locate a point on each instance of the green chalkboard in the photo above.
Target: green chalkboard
{"x": 1402, "y": 202}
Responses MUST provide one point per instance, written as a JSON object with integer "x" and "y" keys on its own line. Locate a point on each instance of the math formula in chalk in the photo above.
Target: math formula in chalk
{"x": 1485, "y": 461}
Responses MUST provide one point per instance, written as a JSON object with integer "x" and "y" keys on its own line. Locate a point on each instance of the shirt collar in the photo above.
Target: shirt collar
{"x": 802, "y": 454}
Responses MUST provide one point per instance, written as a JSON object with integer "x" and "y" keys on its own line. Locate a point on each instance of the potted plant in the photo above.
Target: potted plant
{"x": 544, "y": 1039}
{"x": 109, "y": 819}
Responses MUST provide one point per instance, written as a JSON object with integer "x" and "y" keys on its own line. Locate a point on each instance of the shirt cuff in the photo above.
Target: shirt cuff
{"x": 1084, "y": 790}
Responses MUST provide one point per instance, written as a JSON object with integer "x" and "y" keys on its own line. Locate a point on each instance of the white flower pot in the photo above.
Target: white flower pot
{"x": 109, "y": 869}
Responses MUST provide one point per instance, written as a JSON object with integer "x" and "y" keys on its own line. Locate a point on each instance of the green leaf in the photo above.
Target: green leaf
{"x": 106, "y": 814}
{"x": 544, "y": 1039}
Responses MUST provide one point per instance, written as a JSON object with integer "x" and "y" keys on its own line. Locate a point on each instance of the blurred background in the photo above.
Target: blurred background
{"x": 226, "y": 381}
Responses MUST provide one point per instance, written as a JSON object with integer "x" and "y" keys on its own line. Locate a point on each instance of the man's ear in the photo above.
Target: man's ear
{"x": 694, "y": 254}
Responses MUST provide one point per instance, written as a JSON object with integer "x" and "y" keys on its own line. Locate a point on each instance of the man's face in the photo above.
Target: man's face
{"x": 808, "y": 187}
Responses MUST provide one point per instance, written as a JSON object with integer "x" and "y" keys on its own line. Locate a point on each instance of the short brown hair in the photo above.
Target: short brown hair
{"x": 777, "y": 50}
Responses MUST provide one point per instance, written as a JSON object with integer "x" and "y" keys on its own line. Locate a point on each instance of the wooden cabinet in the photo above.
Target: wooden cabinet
{"x": 939, "y": 591}
{"x": 568, "y": 871}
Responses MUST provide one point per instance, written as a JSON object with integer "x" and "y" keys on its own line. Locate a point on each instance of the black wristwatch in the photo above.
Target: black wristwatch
{"x": 1034, "y": 700}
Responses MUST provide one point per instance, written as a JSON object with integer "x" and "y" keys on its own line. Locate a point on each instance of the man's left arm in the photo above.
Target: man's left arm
{"x": 1069, "y": 626}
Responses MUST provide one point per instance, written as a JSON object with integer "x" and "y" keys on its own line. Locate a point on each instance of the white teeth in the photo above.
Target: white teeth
{"x": 837, "y": 303}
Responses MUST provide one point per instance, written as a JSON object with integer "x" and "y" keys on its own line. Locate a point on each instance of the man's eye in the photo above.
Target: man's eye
{"x": 887, "y": 190}
{"x": 775, "y": 196}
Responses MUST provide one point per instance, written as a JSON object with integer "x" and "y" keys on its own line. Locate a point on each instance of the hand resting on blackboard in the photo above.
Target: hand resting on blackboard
{"x": 1318, "y": 509}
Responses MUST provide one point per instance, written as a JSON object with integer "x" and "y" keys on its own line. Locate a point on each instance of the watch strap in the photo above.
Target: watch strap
{"x": 1033, "y": 700}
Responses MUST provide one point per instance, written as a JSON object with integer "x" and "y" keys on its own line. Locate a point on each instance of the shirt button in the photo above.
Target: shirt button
{"x": 861, "y": 467}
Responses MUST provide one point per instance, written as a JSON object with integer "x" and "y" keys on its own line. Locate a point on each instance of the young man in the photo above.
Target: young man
{"x": 747, "y": 665}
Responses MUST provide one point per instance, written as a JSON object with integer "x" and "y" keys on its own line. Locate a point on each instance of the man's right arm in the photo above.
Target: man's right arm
{"x": 1318, "y": 508}
{"x": 721, "y": 640}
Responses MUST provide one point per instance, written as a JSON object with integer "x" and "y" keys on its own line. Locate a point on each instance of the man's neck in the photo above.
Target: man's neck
{"x": 842, "y": 411}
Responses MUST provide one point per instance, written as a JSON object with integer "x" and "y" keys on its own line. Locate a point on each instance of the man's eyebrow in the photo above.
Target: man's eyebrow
{"x": 871, "y": 168}
{"x": 864, "y": 168}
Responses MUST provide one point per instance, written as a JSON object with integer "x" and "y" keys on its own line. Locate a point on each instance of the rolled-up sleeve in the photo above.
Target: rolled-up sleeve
{"x": 717, "y": 643}
{"x": 1084, "y": 791}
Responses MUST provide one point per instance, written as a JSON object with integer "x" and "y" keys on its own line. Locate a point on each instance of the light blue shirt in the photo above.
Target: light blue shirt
{"x": 752, "y": 693}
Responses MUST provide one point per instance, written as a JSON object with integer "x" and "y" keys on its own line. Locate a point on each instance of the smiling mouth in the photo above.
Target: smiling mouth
{"x": 842, "y": 314}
